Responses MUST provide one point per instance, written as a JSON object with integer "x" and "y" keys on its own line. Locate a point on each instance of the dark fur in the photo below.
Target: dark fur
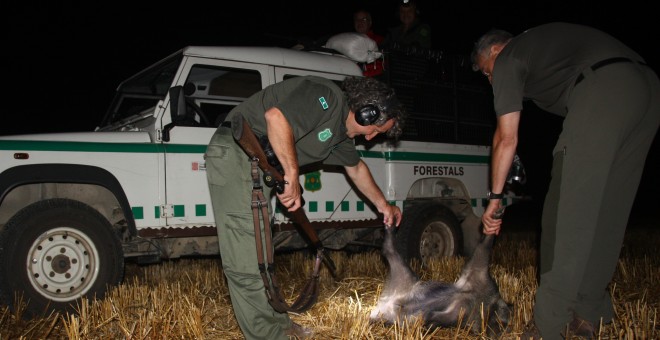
{"x": 439, "y": 303}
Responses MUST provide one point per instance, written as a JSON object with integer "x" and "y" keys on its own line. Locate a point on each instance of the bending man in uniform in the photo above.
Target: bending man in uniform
{"x": 609, "y": 99}
{"x": 306, "y": 120}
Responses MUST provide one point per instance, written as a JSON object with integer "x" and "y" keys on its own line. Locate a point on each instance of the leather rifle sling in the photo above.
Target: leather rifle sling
{"x": 309, "y": 293}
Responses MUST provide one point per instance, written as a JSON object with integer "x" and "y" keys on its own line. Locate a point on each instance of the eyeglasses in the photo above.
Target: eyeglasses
{"x": 361, "y": 19}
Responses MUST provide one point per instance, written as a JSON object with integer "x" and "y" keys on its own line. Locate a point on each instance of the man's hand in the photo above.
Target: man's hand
{"x": 291, "y": 197}
{"x": 361, "y": 176}
{"x": 492, "y": 218}
{"x": 391, "y": 215}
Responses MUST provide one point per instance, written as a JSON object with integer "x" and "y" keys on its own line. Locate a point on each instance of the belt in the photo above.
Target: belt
{"x": 606, "y": 62}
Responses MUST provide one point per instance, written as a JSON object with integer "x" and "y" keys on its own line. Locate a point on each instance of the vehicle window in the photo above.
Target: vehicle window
{"x": 216, "y": 90}
{"x": 223, "y": 83}
{"x": 143, "y": 90}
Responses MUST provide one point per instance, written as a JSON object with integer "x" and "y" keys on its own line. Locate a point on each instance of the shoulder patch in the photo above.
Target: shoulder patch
{"x": 325, "y": 135}
{"x": 324, "y": 103}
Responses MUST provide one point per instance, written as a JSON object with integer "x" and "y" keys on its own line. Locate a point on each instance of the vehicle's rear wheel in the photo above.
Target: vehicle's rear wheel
{"x": 428, "y": 231}
{"x": 55, "y": 252}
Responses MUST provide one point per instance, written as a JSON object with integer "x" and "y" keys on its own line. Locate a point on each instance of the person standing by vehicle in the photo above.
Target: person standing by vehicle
{"x": 411, "y": 32}
{"x": 306, "y": 120}
{"x": 363, "y": 23}
{"x": 609, "y": 98}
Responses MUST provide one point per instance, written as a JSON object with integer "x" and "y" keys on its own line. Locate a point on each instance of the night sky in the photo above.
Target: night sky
{"x": 63, "y": 62}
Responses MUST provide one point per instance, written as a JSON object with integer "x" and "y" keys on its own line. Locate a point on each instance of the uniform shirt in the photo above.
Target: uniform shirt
{"x": 315, "y": 108}
{"x": 542, "y": 64}
{"x": 419, "y": 35}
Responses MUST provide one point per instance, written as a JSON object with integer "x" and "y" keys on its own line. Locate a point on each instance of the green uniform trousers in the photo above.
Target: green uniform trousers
{"x": 230, "y": 183}
{"x": 613, "y": 115}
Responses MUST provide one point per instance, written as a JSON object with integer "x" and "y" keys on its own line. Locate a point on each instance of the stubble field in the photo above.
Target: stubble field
{"x": 188, "y": 298}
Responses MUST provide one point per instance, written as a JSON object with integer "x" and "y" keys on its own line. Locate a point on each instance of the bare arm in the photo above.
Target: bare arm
{"x": 280, "y": 136}
{"x": 505, "y": 142}
{"x": 361, "y": 176}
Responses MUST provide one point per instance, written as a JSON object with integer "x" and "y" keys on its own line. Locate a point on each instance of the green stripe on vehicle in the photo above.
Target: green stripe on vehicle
{"x": 100, "y": 147}
{"x": 311, "y": 206}
{"x": 21, "y": 145}
{"x": 424, "y": 157}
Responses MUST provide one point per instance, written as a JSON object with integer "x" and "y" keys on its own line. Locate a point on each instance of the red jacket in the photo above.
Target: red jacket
{"x": 375, "y": 68}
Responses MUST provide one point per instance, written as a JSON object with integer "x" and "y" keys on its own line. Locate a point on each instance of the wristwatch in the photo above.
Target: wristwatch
{"x": 493, "y": 196}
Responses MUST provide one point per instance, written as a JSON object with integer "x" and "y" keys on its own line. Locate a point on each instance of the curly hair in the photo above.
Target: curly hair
{"x": 362, "y": 91}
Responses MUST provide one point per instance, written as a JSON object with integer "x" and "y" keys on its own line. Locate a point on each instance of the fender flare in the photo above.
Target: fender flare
{"x": 66, "y": 173}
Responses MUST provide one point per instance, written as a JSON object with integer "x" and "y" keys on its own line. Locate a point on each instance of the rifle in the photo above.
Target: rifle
{"x": 245, "y": 137}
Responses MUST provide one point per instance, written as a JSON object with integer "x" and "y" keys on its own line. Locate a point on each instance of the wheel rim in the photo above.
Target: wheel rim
{"x": 436, "y": 241}
{"x": 62, "y": 264}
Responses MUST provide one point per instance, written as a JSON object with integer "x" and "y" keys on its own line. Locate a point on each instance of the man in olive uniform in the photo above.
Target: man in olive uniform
{"x": 609, "y": 98}
{"x": 306, "y": 120}
{"x": 411, "y": 32}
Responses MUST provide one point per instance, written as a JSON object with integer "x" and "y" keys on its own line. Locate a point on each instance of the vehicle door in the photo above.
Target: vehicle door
{"x": 211, "y": 89}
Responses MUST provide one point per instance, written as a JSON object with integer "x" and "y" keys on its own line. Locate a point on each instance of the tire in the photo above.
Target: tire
{"x": 55, "y": 252}
{"x": 428, "y": 231}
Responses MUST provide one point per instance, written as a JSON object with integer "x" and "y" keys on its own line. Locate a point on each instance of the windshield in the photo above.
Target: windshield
{"x": 143, "y": 90}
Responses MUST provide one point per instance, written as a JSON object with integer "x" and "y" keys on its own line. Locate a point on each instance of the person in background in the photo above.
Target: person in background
{"x": 306, "y": 120}
{"x": 363, "y": 23}
{"x": 609, "y": 98}
{"x": 411, "y": 32}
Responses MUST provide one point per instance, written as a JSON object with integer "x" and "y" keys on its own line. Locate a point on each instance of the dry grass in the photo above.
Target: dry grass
{"x": 188, "y": 299}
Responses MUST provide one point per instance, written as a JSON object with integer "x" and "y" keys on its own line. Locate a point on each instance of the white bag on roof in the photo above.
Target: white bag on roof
{"x": 356, "y": 46}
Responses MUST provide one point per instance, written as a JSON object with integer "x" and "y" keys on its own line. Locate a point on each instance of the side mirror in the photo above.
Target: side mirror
{"x": 177, "y": 110}
{"x": 177, "y": 103}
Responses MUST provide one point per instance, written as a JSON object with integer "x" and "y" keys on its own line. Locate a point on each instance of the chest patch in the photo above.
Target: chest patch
{"x": 324, "y": 103}
{"x": 325, "y": 135}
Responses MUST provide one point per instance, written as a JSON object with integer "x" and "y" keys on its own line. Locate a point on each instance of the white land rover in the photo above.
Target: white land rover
{"x": 75, "y": 206}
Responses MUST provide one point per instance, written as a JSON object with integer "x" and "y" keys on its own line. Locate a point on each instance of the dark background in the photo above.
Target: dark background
{"x": 63, "y": 61}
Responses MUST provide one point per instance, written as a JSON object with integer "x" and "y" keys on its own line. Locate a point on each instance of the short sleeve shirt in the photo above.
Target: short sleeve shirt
{"x": 542, "y": 64}
{"x": 316, "y": 109}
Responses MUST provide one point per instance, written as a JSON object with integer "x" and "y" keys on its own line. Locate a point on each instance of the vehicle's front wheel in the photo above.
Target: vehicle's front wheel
{"x": 428, "y": 231}
{"x": 55, "y": 252}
